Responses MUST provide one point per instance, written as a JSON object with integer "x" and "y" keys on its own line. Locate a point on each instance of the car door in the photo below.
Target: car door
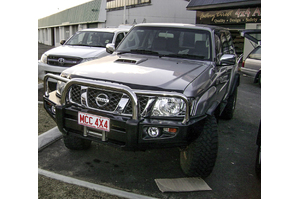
{"x": 224, "y": 74}
{"x": 253, "y": 35}
{"x": 253, "y": 62}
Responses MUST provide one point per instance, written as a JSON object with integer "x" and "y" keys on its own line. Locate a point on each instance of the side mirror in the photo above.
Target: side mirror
{"x": 110, "y": 48}
{"x": 62, "y": 42}
{"x": 227, "y": 59}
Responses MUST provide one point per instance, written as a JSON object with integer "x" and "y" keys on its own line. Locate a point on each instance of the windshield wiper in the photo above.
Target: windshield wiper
{"x": 142, "y": 51}
{"x": 85, "y": 45}
{"x": 122, "y": 52}
{"x": 77, "y": 44}
{"x": 184, "y": 56}
{"x": 139, "y": 51}
{"x": 97, "y": 46}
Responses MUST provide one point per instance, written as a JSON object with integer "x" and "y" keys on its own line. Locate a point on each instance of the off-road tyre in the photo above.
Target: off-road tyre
{"x": 228, "y": 111}
{"x": 76, "y": 143}
{"x": 258, "y": 162}
{"x": 198, "y": 159}
{"x": 258, "y": 153}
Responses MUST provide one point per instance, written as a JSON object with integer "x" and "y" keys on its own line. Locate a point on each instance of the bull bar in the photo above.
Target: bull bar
{"x": 132, "y": 94}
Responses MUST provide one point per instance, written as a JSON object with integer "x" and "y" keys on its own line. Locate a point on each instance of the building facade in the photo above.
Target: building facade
{"x": 233, "y": 14}
{"x": 62, "y": 25}
{"x": 110, "y": 13}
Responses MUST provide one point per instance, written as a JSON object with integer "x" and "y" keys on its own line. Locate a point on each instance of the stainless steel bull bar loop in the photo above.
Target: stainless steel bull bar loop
{"x": 132, "y": 94}
{"x": 104, "y": 85}
{"x": 56, "y": 77}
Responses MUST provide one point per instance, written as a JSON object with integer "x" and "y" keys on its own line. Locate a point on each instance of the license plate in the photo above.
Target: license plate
{"x": 94, "y": 121}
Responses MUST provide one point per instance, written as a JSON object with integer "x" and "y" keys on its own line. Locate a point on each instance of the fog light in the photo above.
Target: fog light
{"x": 53, "y": 109}
{"x": 153, "y": 132}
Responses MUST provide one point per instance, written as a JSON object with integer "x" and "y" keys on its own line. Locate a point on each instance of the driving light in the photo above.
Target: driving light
{"x": 168, "y": 106}
{"x": 53, "y": 109}
{"x": 153, "y": 132}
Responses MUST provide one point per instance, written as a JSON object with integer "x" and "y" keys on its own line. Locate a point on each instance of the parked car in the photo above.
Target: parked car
{"x": 163, "y": 86}
{"x": 85, "y": 45}
{"x": 251, "y": 66}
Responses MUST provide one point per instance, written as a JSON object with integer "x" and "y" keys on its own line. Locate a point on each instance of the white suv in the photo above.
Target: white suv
{"x": 84, "y": 45}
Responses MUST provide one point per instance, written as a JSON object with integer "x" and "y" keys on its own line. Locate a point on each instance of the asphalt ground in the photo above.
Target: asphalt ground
{"x": 233, "y": 176}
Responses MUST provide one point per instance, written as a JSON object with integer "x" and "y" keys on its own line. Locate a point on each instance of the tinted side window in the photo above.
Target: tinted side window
{"x": 225, "y": 44}
{"x": 230, "y": 43}
{"x": 119, "y": 38}
{"x": 256, "y": 53}
{"x": 218, "y": 47}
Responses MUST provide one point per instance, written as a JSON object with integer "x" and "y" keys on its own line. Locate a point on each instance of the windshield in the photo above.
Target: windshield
{"x": 169, "y": 42}
{"x": 94, "y": 39}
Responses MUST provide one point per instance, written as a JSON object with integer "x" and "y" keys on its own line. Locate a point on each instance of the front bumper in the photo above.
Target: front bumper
{"x": 128, "y": 132}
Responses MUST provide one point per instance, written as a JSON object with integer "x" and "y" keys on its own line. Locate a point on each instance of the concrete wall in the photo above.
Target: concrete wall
{"x": 170, "y": 11}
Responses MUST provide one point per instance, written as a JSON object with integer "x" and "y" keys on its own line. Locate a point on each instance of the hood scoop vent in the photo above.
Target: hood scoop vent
{"x": 131, "y": 61}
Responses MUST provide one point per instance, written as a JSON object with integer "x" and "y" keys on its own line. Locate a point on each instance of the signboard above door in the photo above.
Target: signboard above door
{"x": 231, "y": 16}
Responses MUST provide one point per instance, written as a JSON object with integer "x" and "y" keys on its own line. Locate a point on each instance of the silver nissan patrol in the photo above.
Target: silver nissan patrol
{"x": 165, "y": 85}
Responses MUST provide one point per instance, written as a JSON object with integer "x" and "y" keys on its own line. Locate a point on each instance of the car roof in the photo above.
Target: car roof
{"x": 183, "y": 25}
{"x": 111, "y": 30}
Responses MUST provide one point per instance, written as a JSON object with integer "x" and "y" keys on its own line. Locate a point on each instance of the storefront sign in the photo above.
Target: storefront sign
{"x": 233, "y": 16}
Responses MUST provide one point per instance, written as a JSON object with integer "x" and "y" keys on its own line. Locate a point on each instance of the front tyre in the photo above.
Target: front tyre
{"x": 76, "y": 143}
{"x": 198, "y": 159}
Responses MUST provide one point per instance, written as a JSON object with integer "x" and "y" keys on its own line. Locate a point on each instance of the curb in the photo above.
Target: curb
{"x": 41, "y": 85}
{"x": 54, "y": 135}
{"x": 48, "y": 138}
{"x": 92, "y": 186}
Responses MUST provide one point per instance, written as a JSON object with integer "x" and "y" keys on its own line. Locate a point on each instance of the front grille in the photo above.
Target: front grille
{"x": 76, "y": 94}
{"x": 105, "y": 100}
{"x": 63, "y": 61}
{"x": 143, "y": 100}
{"x": 113, "y": 98}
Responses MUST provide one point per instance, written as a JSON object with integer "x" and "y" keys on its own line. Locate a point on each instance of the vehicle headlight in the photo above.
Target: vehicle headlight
{"x": 44, "y": 58}
{"x": 169, "y": 106}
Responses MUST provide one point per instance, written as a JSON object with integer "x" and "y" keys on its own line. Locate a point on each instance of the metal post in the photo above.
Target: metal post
{"x": 85, "y": 133}
{"x": 124, "y": 16}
